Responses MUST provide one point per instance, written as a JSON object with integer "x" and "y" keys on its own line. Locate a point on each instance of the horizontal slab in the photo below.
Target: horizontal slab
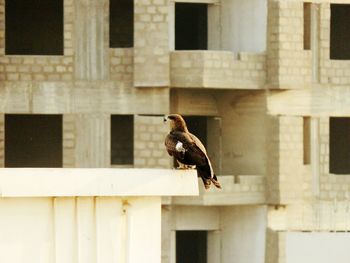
{"x": 41, "y": 182}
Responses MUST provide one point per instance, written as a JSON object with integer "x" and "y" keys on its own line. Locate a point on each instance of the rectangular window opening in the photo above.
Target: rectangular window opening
{"x": 191, "y": 26}
{"x": 191, "y": 246}
{"x": 122, "y": 139}
{"x": 339, "y": 145}
{"x": 307, "y": 140}
{"x": 33, "y": 140}
{"x": 121, "y": 23}
{"x": 34, "y": 27}
{"x": 340, "y": 37}
{"x": 307, "y": 26}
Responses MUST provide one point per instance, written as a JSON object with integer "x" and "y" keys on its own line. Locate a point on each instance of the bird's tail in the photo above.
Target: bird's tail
{"x": 215, "y": 181}
{"x": 204, "y": 172}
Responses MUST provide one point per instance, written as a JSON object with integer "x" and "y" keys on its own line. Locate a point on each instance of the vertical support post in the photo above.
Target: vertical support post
{"x": 214, "y": 246}
{"x": 315, "y": 156}
{"x": 315, "y": 43}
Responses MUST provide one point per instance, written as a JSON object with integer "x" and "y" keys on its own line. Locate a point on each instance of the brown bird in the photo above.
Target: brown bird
{"x": 189, "y": 150}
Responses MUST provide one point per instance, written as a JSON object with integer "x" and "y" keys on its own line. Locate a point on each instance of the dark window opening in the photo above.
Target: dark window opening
{"x": 340, "y": 35}
{"x": 307, "y": 26}
{"x": 191, "y": 26}
{"x": 196, "y": 125}
{"x": 339, "y": 145}
{"x": 191, "y": 246}
{"x": 307, "y": 139}
{"x": 121, "y": 23}
{"x": 122, "y": 139}
{"x": 34, "y": 27}
{"x": 33, "y": 140}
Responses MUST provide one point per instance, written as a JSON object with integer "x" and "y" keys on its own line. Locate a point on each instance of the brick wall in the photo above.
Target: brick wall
{"x": 289, "y": 66}
{"x": 39, "y": 68}
{"x": 69, "y": 134}
{"x": 121, "y": 65}
{"x": 285, "y": 160}
{"x": 149, "y": 149}
{"x": 151, "y": 44}
{"x": 218, "y": 69}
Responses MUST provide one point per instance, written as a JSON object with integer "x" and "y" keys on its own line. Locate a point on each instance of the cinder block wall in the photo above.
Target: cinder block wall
{"x": 149, "y": 149}
{"x": 151, "y": 44}
{"x": 289, "y": 66}
{"x": 69, "y": 140}
{"x": 121, "y": 65}
{"x": 285, "y": 160}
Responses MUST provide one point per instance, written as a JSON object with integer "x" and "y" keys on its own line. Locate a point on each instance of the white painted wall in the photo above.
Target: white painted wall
{"x": 244, "y": 25}
{"x": 317, "y": 247}
{"x": 80, "y": 230}
{"x": 243, "y": 234}
{"x": 58, "y": 215}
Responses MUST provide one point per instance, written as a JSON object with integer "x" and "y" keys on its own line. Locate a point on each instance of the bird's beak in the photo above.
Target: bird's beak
{"x": 165, "y": 118}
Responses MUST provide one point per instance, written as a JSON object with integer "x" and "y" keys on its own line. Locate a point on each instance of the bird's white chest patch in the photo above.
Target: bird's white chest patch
{"x": 180, "y": 147}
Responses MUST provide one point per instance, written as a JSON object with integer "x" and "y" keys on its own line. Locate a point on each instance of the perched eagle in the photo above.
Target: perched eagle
{"x": 188, "y": 150}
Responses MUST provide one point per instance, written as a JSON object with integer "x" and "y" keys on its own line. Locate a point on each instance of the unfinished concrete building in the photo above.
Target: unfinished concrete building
{"x": 264, "y": 83}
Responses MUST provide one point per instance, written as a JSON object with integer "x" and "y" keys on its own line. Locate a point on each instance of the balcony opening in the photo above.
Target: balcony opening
{"x": 122, "y": 139}
{"x": 340, "y": 37}
{"x": 121, "y": 23}
{"x": 307, "y": 26}
{"x": 339, "y": 145}
{"x": 191, "y": 26}
{"x": 191, "y": 246}
{"x": 34, "y": 27}
{"x": 33, "y": 140}
{"x": 307, "y": 139}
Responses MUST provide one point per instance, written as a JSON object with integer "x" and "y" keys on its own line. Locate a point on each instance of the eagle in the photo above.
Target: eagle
{"x": 188, "y": 150}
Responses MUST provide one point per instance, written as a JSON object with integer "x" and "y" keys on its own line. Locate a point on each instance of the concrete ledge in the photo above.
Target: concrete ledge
{"x": 45, "y": 182}
{"x": 236, "y": 190}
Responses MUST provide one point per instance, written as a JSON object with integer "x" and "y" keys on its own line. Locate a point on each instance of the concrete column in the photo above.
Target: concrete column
{"x": 214, "y": 246}
{"x": 91, "y": 40}
{"x": 92, "y": 140}
{"x": 315, "y": 156}
{"x": 214, "y": 27}
{"x": 315, "y": 40}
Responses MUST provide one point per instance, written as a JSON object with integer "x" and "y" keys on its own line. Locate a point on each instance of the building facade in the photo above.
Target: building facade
{"x": 265, "y": 84}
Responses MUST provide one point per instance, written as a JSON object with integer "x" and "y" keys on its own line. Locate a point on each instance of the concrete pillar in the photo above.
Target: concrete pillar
{"x": 315, "y": 156}
{"x": 315, "y": 40}
{"x": 92, "y": 140}
{"x": 91, "y": 40}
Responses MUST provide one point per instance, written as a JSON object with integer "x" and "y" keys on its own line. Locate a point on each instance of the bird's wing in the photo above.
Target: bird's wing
{"x": 200, "y": 145}
{"x": 170, "y": 144}
{"x": 191, "y": 153}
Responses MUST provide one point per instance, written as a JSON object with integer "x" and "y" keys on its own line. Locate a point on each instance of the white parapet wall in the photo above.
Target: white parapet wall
{"x": 85, "y": 215}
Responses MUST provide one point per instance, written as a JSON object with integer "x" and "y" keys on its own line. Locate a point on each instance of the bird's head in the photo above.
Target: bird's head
{"x": 176, "y": 122}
